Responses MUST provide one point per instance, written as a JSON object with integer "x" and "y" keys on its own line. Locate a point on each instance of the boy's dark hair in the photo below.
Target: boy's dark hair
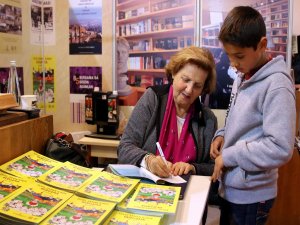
{"x": 244, "y": 27}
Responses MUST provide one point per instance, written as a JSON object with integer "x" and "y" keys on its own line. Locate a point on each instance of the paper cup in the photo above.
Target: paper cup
{"x": 28, "y": 101}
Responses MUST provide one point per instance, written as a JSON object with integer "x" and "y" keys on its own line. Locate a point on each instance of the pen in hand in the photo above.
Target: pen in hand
{"x": 162, "y": 153}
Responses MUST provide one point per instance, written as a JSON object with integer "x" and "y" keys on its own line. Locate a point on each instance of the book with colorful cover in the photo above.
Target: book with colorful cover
{"x": 157, "y": 198}
{"x": 32, "y": 203}
{"x": 30, "y": 164}
{"x": 78, "y": 210}
{"x": 9, "y": 184}
{"x": 109, "y": 187}
{"x": 123, "y": 206}
{"x": 118, "y": 217}
{"x": 68, "y": 176}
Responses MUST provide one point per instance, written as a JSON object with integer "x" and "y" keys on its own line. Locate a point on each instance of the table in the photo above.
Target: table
{"x": 190, "y": 209}
{"x": 101, "y": 148}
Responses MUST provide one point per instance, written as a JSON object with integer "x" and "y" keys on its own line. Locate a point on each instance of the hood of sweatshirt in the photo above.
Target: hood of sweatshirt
{"x": 276, "y": 65}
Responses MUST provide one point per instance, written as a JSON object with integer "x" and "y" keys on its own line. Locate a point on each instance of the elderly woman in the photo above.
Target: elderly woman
{"x": 174, "y": 116}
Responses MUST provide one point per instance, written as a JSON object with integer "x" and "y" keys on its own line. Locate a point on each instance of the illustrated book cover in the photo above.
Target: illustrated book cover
{"x": 30, "y": 164}
{"x": 140, "y": 172}
{"x": 9, "y": 184}
{"x": 157, "y": 198}
{"x": 109, "y": 187}
{"x": 31, "y": 204}
{"x": 118, "y": 217}
{"x": 68, "y": 176}
{"x": 123, "y": 206}
{"x": 78, "y": 210}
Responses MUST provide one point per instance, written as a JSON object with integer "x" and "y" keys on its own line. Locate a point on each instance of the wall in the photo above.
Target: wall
{"x": 64, "y": 60}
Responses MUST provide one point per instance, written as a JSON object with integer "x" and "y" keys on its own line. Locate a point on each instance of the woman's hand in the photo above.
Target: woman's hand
{"x": 216, "y": 146}
{"x": 157, "y": 166}
{"x": 180, "y": 168}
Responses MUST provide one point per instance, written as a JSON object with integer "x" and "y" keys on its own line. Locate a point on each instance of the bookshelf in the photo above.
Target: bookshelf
{"x": 276, "y": 16}
{"x": 210, "y": 36}
{"x": 155, "y": 30}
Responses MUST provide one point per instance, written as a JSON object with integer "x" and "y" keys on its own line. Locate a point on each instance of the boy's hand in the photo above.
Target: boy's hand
{"x": 219, "y": 166}
{"x": 180, "y": 168}
{"x": 216, "y": 146}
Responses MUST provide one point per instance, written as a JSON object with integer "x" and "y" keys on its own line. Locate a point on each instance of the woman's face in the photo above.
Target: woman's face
{"x": 188, "y": 85}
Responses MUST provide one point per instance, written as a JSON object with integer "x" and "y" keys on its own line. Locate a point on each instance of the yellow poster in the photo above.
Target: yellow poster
{"x": 44, "y": 92}
{"x": 10, "y": 26}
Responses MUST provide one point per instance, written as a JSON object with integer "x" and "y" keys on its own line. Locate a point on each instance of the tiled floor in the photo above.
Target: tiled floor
{"x": 213, "y": 215}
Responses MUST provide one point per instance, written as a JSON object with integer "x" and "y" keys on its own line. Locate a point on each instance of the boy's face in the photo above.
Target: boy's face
{"x": 246, "y": 59}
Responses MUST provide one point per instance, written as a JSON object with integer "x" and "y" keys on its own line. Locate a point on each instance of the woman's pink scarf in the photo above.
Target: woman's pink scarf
{"x": 176, "y": 150}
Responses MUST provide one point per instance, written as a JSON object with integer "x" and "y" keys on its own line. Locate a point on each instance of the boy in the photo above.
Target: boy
{"x": 258, "y": 135}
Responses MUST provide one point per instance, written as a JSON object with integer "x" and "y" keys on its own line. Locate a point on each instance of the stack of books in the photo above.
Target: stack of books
{"x": 31, "y": 204}
{"x": 35, "y": 189}
{"x": 108, "y": 187}
{"x": 68, "y": 177}
{"x": 30, "y": 165}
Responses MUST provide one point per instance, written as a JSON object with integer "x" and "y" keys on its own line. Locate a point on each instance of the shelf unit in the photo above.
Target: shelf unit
{"x": 210, "y": 36}
{"x": 155, "y": 30}
{"x": 275, "y": 14}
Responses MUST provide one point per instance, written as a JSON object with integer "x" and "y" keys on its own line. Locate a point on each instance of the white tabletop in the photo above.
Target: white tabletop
{"x": 190, "y": 209}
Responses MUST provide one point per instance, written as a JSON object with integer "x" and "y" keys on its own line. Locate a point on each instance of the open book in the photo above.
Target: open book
{"x": 132, "y": 171}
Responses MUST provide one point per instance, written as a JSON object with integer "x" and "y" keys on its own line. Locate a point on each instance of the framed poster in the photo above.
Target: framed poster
{"x": 85, "y": 27}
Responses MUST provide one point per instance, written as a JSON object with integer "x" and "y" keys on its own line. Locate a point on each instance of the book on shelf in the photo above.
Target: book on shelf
{"x": 68, "y": 176}
{"x": 9, "y": 184}
{"x": 187, "y": 20}
{"x": 31, "y": 204}
{"x": 118, "y": 217}
{"x": 146, "y": 81}
{"x": 133, "y": 171}
{"x": 156, "y": 198}
{"x": 158, "y": 81}
{"x": 78, "y": 210}
{"x": 30, "y": 165}
{"x": 109, "y": 187}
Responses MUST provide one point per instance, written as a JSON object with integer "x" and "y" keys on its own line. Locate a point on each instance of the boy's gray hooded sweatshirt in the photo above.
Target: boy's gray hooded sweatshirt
{"x": 259, "y": 134}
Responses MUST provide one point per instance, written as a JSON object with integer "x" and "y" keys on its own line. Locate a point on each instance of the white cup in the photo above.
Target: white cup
{"x": 28, "y": 101}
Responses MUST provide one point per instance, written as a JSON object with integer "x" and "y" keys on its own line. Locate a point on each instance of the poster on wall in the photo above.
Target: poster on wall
{"x": 83, "y": 80}
{"x": 37, "y": 7}
{"x": 38, "y": 88}
{"x": 213, "y": 12}
{"x": 10, "y": 26}
{"x": 85, "y": 27}
{"x": 148, "y": 33}
{"x": 4, "y": 74}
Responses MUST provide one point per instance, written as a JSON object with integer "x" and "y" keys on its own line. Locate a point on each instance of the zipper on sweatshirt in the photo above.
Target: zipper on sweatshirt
{"x": 234, "y": 93}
